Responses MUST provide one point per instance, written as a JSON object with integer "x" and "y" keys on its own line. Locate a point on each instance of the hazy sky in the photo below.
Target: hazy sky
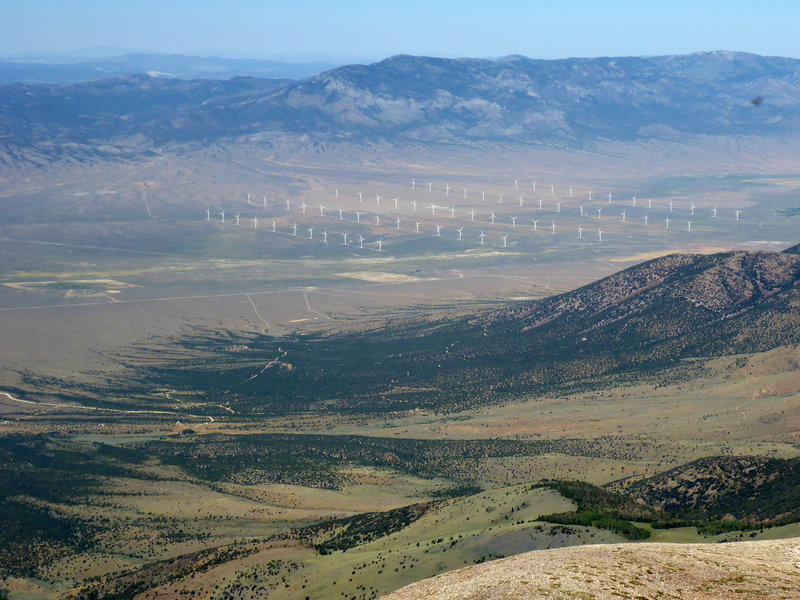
{"x": 373, "y": 29}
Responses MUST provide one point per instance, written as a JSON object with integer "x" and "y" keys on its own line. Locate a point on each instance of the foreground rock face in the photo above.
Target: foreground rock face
{"x": 763, "y": 569}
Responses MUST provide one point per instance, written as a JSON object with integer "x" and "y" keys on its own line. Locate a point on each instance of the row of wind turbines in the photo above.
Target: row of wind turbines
{"x": 489, "y": 219}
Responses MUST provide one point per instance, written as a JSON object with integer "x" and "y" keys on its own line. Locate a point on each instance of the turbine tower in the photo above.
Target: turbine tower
{"x": 534, "y": 221}
{"x": 325, "y": 236}
{"x": 482, "y": 236}
{"x": 505, "y": 240}
{"x": 459, "y": 230}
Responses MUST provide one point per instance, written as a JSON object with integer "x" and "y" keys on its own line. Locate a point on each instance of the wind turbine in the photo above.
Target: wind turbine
{"x": 714, "y": 212}
{"x": 505, "y": 240}
{"x": 609, "y": 197}
{"x": 380, "y": 244}
{"x": 321, "y": 210}
{"x": 590, "y": 194}
{"x": 552, "y": 190}
{"x": 501, "y": 198}
{"x": 397, "y": 223}
{"x": 520, "y": 199}
{"x": 395, "y": 201}
{"x": 649, "y": 203}
{"x": 452, "y": 212}
{"x": 553, "y": 226}
{"x": 540, "y": 203}
{"x": 459, "y": 230}
{"x": 580, "y": 232}
{"x": 255, "y": 222}
{"x": 738, "y": 212}
{"x": 670, "y": 206}
{"x": 645, "y": 219}
{"x": 237, "y": 219}
{"x": 311, "y": 232}
{"x": 438, "y": 230}
{"x": 377, "y": 220}
{"x": 416, "y": 223}
{"x": 516, "y": 184}
{"x": 447, "y": 189}
{"x": 294, "y": 229}
{"x": 623, "y": 216}
{"x": 570, "y": 192}
{"x": 482, "y": 236}
{"x": 273, "y": 225}
{"x": 581, "y": 207}
{"x": 413, "y": 184}
{"x": 465, "y": 192}
{"x": 340, "y": 214}
{"x": 634, "y": 200}
{"x": 692, "y": 207}
{"x": 337, "y": 193}
{"x": 492, "y": 217}
{"x": 265, "y": 201}
{"x": 534, "y": 221}
{"x": 599, "y": 236}
{"x": 360, "y": 241}
{"x": 689, "y": 225}
{"x": 483, "y": 196}
{"x": 472, "y": 214}
{"x": 667, "y": 222}
{"x": 325, "y": 236}
{"x": 288, "y": 205}
{"x": 558, "y": 206}
{"x": 208, "y": 214}
{"x": 358, "y": 216}
{"x": 598, "y": 211}
{"x": 414, "y": 206}
{"x": 534, "y": 185}
{"x": 345, "y": 238}
{"x": 513, "y": 222}
{"x": 433, "y": 209}
{"x": 378, "y": 199}
{"x": 248, "y": 198}
{"x": 430, "y": 187}
{"x": 360, "y": 197}
{"x": 303, "y": 207}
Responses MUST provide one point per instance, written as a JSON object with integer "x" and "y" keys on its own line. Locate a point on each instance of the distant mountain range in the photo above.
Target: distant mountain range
{"x": 49, "y": 70}
{"x": 420, "y": 99}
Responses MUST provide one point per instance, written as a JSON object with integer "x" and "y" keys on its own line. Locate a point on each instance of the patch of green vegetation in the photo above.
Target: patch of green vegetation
{"x": 456, "y": 492}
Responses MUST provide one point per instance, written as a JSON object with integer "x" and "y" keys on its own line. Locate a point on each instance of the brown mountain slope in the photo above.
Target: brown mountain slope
{"x": 763, "y": 569}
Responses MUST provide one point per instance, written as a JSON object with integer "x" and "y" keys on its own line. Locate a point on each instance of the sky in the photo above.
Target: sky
{"x": 365, "y": 30}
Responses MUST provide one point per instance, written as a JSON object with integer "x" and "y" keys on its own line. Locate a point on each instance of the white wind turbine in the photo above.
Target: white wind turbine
{"x": 360, "y": 197}
{"x": 553, "y": 227}
{"x": 248, "y": 198}
{"x": 590, "y": 194}
{"x": 265, "y": 201}
{"x": 397, "y": 223}
{"x": 311, "y": 232}
{"x": 714, "y": 212}
{"x": 208, "y": 214}
{"x": 452, "y": 212}
{"x": 516, "y": 184}
{"x": 552, "y": 190}
{"x": 482, "y": 236}
{"x": 599, "y": 236}
{"x": 413, "y": 184}
{"x": 501, "y": 198}
{"x": 273, "y": 225}
{"x": 237, "y": 219}
{"x": 670, "y": 206}
{"x": 667, "y": 222}
{"x": 520, "y": 199}
{"x": 321, "y": 210}
{"x": 378, "y": 199}
{"x": 377, "y": 220}
{"x": 558, "y": 206}
{"x": 288, "y": 205}
{"x": 483, "y": 196}
{"x": 360, "y": 241}
{"x": 581, "y": 207}
{"x": 534, "y": 221}
{"x": 570, "y": 192}
{"x": 649, "y": 203}
{"x": 438, "y": 230}
{"x": 255, "y": 222}
{"x": 465, "y": 192}
{"x": 623, "y": 216}
{"x": 447, "y": 189}
{"x": 505, "y": 240}
{"x": 513, "y": 222}
{"x": 534, "y": 185}
{"x": 645, "y": 219}
{"x": 492, "y": 217}
{"x": 738, "y": 212}
{"x": 692, "y": 207}
{"x": 472, "y": 214}
{"x": 540, "y": 203}
{"x": 337, "y": 193}
{"x": 430, "y": 186}
{"x": 433, "y": 209}
{"x": 609, "y": 197}
{"x": 395, "y": 200}
{"x": 413, "y": 206}
{"x": 380, "y": 244}
{"x": 580, "y": 232}
{"x": 303, "y": 207}
{"x": 689, "y": 225}
{"x": 459, "y": 230}
{"x": 294, "y": 228}
{"x": 344, "y": 235}
{"x": 325, "y": 236}
{"x": 222, "y": 215}
{"x": 634, "y": 200}
{"x": 358, "y": 216}
{"x": 341, "y": 214}
{"x": 416, "y": 224}
{"x": 599, "y": 209}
